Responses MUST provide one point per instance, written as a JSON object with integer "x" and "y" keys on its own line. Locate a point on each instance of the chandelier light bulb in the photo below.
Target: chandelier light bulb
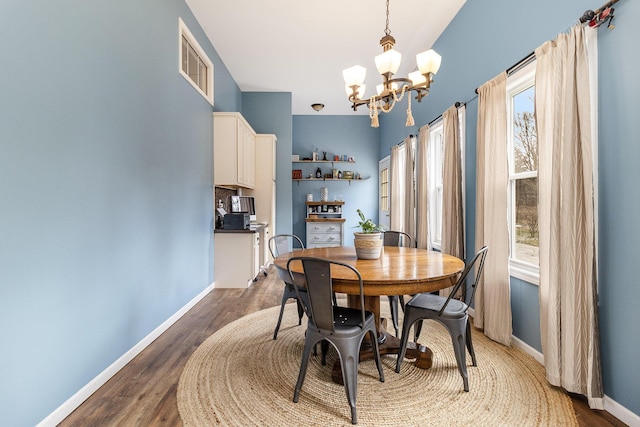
{"x": 388, "y": 62}
{"x": 417, "y": 78}
{"x": 355, "y": 75}
{"x": 428, "y": 62}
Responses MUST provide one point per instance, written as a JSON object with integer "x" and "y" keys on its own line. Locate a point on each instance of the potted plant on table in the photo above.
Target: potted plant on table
{"x": 368, "y": 241}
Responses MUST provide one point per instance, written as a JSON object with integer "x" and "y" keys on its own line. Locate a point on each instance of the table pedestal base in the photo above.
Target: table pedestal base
{"x": 388, "y": 344}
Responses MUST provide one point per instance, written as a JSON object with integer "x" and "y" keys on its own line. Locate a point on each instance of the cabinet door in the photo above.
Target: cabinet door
{"x": 249, "y": 159}
{"x": 233, "y": 151}
{"x": 265, "y": 186}
{"x": 225, "y": 152}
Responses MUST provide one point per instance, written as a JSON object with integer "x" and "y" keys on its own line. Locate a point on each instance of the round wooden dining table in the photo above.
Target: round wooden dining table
{"x": 398, "y": 271}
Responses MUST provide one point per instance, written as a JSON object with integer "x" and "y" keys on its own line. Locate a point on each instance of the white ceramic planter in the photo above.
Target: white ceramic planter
{"x": 368, "y": 245}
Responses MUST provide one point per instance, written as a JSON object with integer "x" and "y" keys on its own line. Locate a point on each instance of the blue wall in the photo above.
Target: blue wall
{"x": 106, "y": 178}
{"x": 350, "y": 135}
{"x": 105, "y": 185}
{"x": 270, "y": 112}
{"x": 619, "y": 205}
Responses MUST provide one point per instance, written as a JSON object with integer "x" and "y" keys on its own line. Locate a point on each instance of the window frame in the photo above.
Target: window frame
{"x": 383, "y": 201}
{"x": 435, "y": 169}
{"x": 517, "y": 82}
{"x": 183, "y": 32}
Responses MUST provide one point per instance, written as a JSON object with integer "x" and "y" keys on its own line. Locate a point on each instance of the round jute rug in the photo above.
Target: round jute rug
{"x": 240, "y": 376}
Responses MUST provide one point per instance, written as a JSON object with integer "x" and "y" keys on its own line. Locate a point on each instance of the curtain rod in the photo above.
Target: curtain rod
{"x": 586, "y": 17}
{"x": 402, "y": 142}
{"x": 458, "y": 104}
{"x": 518, "y": 65}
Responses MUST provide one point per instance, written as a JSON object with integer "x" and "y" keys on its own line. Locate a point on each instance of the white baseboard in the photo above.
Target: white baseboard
{"x": 517, "y": 342}
{"x": 83, "y": 394}
{"x": 621, "y": 413}
{"x": 610, "y": 405}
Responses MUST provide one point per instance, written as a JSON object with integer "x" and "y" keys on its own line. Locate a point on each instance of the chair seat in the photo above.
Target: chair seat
{"x": 346, "y": 318}
{"x": 431, "y": 302}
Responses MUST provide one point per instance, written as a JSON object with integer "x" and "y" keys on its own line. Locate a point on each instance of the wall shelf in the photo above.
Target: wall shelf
{"x": 321, "y": 161}
{"x": 333, "y": 163}
{"x": 331, "y": 179}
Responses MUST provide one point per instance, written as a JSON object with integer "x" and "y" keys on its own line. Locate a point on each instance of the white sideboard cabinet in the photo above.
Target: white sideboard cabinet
{"x": 325, "y": 224}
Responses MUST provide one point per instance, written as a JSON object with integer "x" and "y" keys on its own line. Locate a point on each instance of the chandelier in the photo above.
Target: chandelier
{"x": 391, "y": 90}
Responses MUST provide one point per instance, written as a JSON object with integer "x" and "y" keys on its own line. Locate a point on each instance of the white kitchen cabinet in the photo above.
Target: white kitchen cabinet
{"x": 236, "y": 259}
{"x": 234, "y": 157}
{"x": 264, "y": 191}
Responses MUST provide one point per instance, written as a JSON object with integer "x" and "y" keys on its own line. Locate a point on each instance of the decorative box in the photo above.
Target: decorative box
{"x": 296, "y": 174}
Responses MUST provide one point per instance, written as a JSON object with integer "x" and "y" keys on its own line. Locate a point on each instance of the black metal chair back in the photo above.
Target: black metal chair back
{"x": 397, "y": 238}
{"x": 462, "y": 280}
{"x": 283, "y": 243}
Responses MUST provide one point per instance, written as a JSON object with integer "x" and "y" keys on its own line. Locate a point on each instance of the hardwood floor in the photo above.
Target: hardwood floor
{"x": 143, "y": 393}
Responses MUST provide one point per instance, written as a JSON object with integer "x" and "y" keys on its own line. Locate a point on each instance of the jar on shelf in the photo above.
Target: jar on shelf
{"x": 324, "y": 194}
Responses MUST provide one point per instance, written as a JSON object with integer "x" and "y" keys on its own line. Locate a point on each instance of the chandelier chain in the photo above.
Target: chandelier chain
{"x": 387, "y": 31}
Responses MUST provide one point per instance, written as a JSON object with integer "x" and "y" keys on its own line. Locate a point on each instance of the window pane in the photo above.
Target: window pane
{"x": 525, "y": 142}
{"x": 526, "y": 226}
{"x": 384, "y": 189}
{"x": 192, "y": 66}
{"x": 202, "y": 76}
{"x": 185, "y": 48}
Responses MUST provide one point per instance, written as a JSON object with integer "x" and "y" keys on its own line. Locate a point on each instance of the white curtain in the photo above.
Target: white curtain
{"x": 568, "y": 279}
{"x": 396, "y": 188}
{"x": 452, "y": 219}
{"x": 492, "y": 303}
{"x": 423, "y": 240}
{"x": 402, "y": 189}
{"x": 409, "y": 188}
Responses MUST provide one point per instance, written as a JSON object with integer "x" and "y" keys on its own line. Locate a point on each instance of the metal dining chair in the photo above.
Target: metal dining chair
{"x": 396, "y": 238}
{"x": 452, "y": 313}
{"x": 343, "y": 327}
{"x": 280, "y": 244}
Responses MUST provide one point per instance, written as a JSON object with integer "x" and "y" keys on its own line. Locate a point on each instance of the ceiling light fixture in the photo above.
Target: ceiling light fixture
{"x": 392, "y": 89}
{"x": 317, "y": 106}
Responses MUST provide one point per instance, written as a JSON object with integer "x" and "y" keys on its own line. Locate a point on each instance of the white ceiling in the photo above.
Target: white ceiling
{"x": 302, "y": 46}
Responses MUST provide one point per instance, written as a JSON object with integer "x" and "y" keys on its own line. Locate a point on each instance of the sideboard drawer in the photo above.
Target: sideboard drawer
{"x": 324, "y": 227}
{"x": 324, "y": 238}
{"x": 324, "y": 234}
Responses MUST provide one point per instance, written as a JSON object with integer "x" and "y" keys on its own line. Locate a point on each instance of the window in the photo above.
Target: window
{"x": 384, "y": 190}
{"x": 523, "y": 175}
{"x": 195, "y": 66}
{"x": 436, "y": 162}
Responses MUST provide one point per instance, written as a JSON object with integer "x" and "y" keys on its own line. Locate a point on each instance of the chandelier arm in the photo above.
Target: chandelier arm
{"x": 401, "y": 80}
